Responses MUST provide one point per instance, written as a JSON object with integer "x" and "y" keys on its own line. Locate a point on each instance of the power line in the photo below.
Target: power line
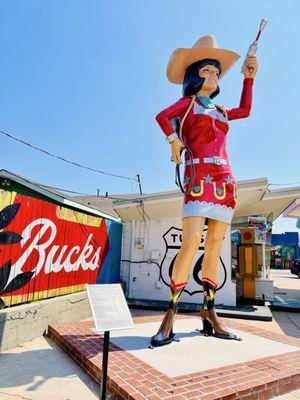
{"x": 93, "y": 195}
{"x": 64, "y": 159}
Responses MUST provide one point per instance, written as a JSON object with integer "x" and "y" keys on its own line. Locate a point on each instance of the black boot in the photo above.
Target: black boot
{"x": 165, "y": 333}
{"x": 209, "y": 316}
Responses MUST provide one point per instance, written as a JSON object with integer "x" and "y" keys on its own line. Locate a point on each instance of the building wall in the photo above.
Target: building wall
{"x": 126, "y": 254}
{"x": 289, "y": 250}
{"x": 159, "y": 241}
{"x": 285, "y": 239}
{"x": 110, "y": 269}
{"x": 48, "y": 250}
{"x": 27, "y": 321}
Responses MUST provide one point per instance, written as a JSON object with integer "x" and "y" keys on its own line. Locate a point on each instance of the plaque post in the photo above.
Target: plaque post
{"x": 110, "y": 313}
{"x": 104, "y": 365}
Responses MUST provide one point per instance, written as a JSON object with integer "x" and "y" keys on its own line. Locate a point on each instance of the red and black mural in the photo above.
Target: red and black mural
{"x": 46, "y": 249}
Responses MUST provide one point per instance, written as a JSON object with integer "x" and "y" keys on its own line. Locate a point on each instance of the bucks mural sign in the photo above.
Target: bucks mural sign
{"x": 46, "y": 249}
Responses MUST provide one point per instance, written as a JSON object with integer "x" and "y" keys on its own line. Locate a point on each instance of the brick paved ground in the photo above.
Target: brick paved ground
{"x": 129, "y": 378}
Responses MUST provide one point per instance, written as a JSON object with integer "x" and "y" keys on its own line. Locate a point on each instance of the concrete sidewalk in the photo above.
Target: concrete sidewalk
{"x": 41, "y": 370}
{"x": 286, "y": 291}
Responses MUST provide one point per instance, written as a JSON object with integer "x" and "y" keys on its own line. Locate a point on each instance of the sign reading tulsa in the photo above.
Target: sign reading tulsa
{"x": 173, "y": 239}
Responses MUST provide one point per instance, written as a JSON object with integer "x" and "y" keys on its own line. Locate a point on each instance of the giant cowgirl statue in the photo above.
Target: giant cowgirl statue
{"x": 209, "y": 185}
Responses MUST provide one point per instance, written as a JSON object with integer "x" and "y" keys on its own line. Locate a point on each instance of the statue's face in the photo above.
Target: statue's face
{"x": 211, "y": 75}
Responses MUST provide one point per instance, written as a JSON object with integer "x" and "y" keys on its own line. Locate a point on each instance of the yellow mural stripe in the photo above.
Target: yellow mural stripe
{"x": 6, "y": 198}
{"x": 67, "y": 214}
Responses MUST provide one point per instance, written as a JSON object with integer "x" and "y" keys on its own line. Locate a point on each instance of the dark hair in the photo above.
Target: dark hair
{"x": 192, "y": 82}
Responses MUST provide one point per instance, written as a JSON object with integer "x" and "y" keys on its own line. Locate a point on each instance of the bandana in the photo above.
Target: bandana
{"x": 206, "y": 101}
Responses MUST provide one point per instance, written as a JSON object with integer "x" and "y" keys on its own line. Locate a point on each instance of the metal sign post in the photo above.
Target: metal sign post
{"x": 104, "y": 366}
{"x": 110, "y": 312}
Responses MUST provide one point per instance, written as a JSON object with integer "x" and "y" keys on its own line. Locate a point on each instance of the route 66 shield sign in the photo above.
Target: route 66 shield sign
{"x": 173, "y": 239}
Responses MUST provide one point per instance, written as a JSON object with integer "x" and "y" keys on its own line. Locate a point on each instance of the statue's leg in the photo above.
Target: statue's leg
{"x": 191, "y": 235}
{"x": 215, "y": 234}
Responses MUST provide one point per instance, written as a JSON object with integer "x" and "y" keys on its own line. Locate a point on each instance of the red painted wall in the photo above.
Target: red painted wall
{"x": 45, "y": 249}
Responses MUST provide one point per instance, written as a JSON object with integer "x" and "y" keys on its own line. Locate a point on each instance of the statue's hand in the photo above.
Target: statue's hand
{"x": 251, "y": 67}
{"x": 176, "y": 146}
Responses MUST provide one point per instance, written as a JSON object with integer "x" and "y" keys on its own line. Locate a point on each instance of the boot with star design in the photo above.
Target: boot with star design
{"x": 210, "y": 320}
{"x": 165, "y": 333}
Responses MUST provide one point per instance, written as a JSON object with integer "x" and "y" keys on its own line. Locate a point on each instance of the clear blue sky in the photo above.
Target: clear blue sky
{"x": 85, "y": 79}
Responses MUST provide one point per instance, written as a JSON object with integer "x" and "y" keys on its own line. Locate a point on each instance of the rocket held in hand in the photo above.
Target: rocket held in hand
{"x": 253, "y": 47}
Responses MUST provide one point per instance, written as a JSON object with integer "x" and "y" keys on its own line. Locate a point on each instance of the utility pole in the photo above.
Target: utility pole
{"x": 139, "y": 181}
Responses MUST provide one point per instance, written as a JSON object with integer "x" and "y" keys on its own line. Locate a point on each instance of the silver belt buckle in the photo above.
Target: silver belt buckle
{"x": 217, "y": 160}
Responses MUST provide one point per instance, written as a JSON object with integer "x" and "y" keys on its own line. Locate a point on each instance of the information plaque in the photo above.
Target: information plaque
{"x": 110, "y": 312}
{"x": 109, "y": 307}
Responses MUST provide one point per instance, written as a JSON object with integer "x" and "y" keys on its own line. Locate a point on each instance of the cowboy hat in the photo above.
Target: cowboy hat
{"x": 205, "y": 47}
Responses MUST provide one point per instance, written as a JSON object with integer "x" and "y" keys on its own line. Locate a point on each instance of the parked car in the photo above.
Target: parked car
{"x": 295, "y": 268}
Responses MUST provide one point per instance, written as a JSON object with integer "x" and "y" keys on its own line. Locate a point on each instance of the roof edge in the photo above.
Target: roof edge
{"x": 59, "y": 197}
